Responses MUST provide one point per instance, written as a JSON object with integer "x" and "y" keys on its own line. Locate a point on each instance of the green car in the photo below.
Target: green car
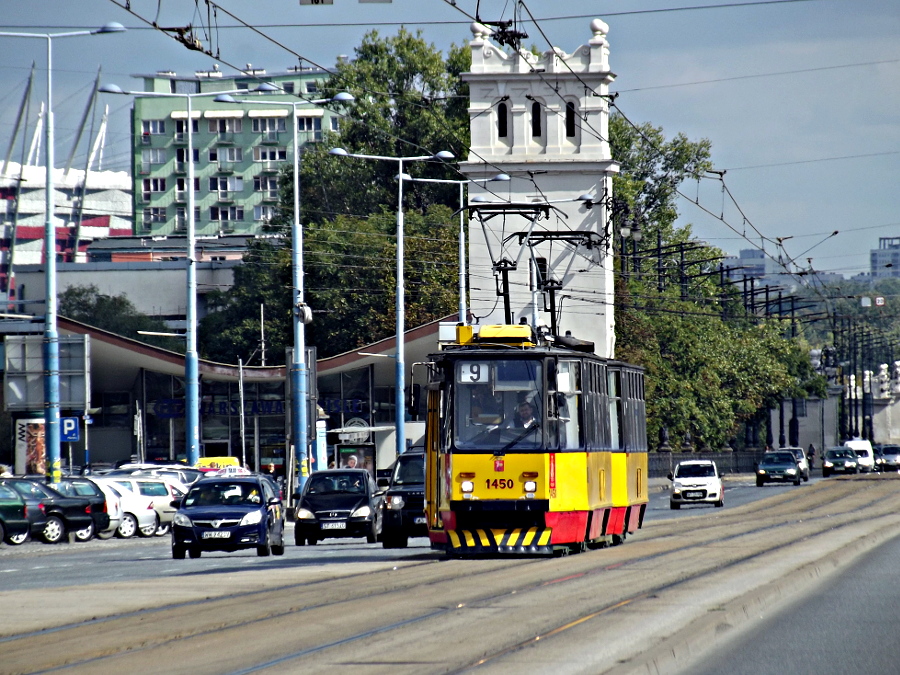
{"x": 778, "y": 466}
{"x": 13, "y": 514}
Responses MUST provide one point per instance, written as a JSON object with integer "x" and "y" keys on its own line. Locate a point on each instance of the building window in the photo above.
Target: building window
{"x": 229, "y": 125}
{"x": 181, "y": 217}
{"x": 312, "y": 87}
{"x": 181, "y": 186}
{"x": 152, "y": 156}
{"x": 288, "y": 87}
{"x": 537, "y": 114}
{"x": 226, "y": 184}
{"x": 310, "y": 129}
{"x": 152, "y": 185}
{"x": 502, "y": 120}
{"x": 154, "y": 215}
{"x": 268, "y": 185}
{"x": 181, "y": 156}
{"x": 264, "y": 124}
{"x": 570, "y": 120}
{"x": 269, "y": 154}
{"x": 334, "y": 123}
{"x": 230, "y": 155}
{"x": 224, "y": 214}
{"x": 264, "y": 213}
{"x": 181, "y": 127}
{"x": 153, "y": 127}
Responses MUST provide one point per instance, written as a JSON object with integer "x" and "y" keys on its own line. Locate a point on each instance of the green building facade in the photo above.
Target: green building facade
{"x": 238, "y": 149}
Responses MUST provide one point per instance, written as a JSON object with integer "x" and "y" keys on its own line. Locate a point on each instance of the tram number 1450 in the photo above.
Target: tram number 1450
{"x": 500, "y": 484}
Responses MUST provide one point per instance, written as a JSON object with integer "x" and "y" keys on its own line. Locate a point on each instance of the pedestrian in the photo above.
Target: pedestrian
{"x": 811, "y": 455}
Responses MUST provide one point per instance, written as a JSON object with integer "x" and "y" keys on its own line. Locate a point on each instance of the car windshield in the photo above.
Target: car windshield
{"x": 798, "y": 453}
{"x": 410, "y": 470}
{"x": 862, "y": 453}
{"x": 839, "y": 454}
{"x": 695, "y": 471}
{"x": 336, "y": 483}
{"x": 224, "y": 494}
{"x": 778, "y": 458}
{"x": 891, "y": 450}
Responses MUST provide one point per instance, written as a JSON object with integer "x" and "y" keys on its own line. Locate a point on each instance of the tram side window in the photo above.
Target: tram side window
{"x": 614, "y": 386}
{"x": 568, "y": 406}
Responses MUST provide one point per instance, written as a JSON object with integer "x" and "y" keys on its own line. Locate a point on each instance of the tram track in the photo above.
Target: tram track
{"x": 411, "y": 603}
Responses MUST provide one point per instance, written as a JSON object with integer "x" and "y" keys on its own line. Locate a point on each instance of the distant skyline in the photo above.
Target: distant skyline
{"x": 798, "y": 97}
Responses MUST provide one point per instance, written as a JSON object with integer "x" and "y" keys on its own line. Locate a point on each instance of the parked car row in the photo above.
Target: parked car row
{"x": 99, "y": 506}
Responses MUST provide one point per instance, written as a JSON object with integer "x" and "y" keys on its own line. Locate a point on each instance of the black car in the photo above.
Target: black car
{"x": 890, "y": 457}
{"x": 82, "y": 487}
{"x": 339, "y": 503}
{"x": 55, "y": 514}
{"x": 839, "y": 460}
{"x": 404, "y": 502}
{"x": 228, "y": 513}
{"x": 780, "y": 465}
{"x": 13, "y": 516}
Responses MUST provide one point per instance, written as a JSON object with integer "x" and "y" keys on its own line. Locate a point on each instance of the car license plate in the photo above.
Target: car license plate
{"x": 216, "y": 535}
{"x": 419, "y": 521}
{"x": 695, "y": 494}
{"x": 334, "y": 526}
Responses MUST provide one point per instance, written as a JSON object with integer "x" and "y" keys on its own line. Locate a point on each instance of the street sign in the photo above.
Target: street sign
{"x": 879, "y": 301}
{"x": 69, "y": 430}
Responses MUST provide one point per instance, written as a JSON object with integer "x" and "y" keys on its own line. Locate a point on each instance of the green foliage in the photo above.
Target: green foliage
{"x": 231, "y": 330}
{"x": 116, "y": 314}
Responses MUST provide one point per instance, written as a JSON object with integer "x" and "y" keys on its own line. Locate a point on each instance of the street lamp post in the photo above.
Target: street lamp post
{"x": 462, "y": 227}
{"x": 191, "y": 360}
{"x": 300, "y": 313}
{"x": 51, "y": 332}
{"x": 400, "y": 380}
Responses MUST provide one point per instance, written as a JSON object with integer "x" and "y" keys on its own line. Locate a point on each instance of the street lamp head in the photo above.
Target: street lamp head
{"x": 636, "y": 234}
{"x": 403, "y": 176}
{"x": 267, "y": 88}
{"x": 480, "y": 199}
{"x": 111, "y": 27}
{"x": 343, "y": 97}
{"x": 339, "y": 152}
{"x": 501, "y": 177}
{"x": 225, "y": 98}
{"x": 111, "y": 89}
{"x": 445, "y": 156}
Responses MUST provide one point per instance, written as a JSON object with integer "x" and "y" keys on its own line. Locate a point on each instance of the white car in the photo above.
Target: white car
{"x": 802, "y": 462}
{"x": 162, "y": 491}
{"x": 864, "y": 453}
{"x": 696, "y": 481}
{"x": 138, "y": 515}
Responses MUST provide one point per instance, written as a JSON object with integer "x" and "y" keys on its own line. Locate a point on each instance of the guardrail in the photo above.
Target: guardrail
{"x": 659, "y": 464}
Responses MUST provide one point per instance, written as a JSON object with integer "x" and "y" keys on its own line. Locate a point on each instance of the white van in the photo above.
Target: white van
{"x": 864, "y": 452}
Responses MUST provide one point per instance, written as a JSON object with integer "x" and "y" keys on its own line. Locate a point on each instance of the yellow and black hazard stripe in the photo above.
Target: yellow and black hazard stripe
{"x": 519, "y": 540}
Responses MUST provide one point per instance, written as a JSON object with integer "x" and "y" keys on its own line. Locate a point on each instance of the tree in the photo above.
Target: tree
{"x": 114, "y": 313}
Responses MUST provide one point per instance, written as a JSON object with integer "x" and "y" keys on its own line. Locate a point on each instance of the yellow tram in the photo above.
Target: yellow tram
{"x": 534, "y": 445}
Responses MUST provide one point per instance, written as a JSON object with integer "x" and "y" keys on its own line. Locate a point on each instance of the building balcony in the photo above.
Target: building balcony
{"x": 225, "y": 138}
{"x": 270, "y": 137}
{"x": 225, "y": 167}
{"x": 269, "y": 166}
{"x": 270, "y": 196}
{"x": 226, "y": 195}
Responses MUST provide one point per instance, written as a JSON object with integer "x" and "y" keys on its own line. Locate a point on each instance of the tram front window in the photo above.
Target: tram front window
{"x": 498, "y": 405}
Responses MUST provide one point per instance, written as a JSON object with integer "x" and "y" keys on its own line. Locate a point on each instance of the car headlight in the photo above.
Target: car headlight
{"x": 252, "y": 518}
{"x": 828, "y": 464}
{"x": 530, "y": 486}
{"x": 396, "y": 502}
{"x": 467, "y": 486}
{"x": 182, "y": 520}
{"x": 851, "y": 463}
{"x": 361, "y": 512}
{"x": 677, "y": 486}
{"x": 791, "y": 472}
{"x": 762, "y": 472}
{"x": 305, "y": 514}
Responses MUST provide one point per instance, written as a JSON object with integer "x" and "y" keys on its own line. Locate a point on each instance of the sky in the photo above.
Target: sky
{"x": 799, "y": 98}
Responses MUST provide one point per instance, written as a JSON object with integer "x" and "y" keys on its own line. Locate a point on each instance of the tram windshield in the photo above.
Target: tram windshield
{"x": 498, "y": 405}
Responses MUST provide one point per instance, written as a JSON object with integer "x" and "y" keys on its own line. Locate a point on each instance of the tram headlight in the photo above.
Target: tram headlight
{"x": 530, "y": 486}
{"x": 467, "y": 486}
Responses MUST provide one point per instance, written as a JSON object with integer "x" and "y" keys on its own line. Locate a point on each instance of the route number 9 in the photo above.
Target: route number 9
{"x": 472, "y": 372}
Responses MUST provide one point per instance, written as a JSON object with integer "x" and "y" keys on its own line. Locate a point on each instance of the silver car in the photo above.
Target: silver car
{"x": 802, "y": 463}
{"x": 139, "y": 515}
{"x": 163, "y": 491}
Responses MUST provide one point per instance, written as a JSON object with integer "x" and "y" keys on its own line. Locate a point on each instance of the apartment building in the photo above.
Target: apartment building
{"x": 238, "y": 149}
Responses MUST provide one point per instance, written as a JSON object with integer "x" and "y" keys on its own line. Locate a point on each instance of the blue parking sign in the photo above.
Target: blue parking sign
{"x": 69, "y": 429}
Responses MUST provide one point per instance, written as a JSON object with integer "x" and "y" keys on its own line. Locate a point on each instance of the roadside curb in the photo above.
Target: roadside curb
{"x": 687, "y": 645}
